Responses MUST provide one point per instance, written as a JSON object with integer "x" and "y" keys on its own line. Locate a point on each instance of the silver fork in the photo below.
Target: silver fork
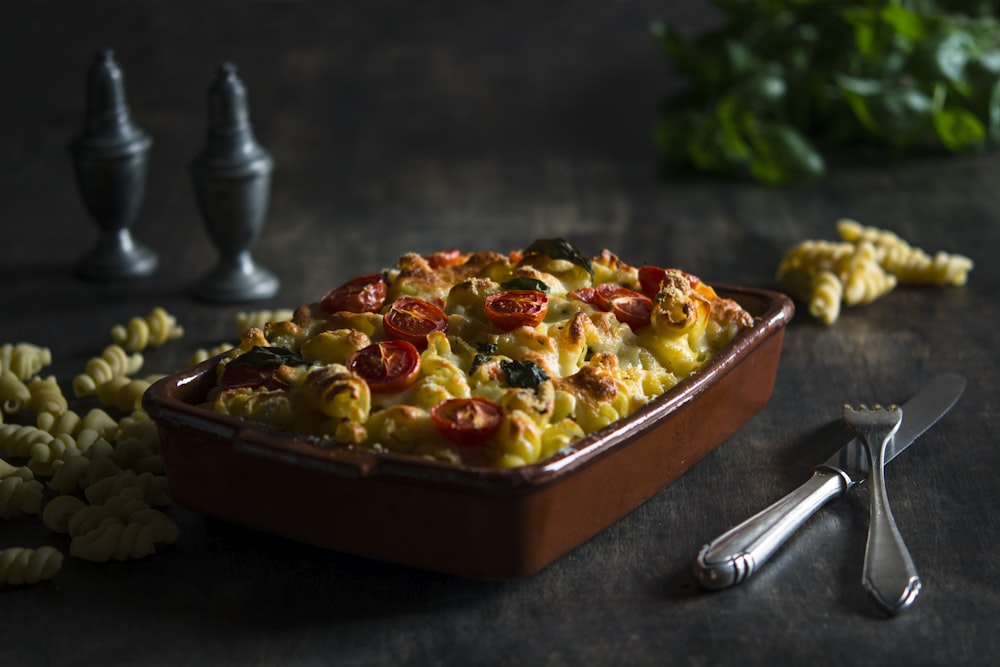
{"x": 889, "y": 575}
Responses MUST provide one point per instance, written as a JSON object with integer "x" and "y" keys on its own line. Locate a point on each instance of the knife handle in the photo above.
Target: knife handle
{"x": 735, "y": 555}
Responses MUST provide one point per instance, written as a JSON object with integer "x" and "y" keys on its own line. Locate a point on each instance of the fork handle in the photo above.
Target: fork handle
{"x": 889, "y": 576}
{"x": 735, "y": 555}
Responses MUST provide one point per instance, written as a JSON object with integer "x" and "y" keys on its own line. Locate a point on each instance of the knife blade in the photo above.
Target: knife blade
{"x": 735, "y": 555}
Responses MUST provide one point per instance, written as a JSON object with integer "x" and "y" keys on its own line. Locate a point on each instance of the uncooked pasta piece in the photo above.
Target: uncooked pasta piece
{"x": 114, "y": 362}
{"x": 46, "y": 396}
{"x": 864, "y": 278}
{"x": 25, "y": 360}
{"x": 826, "y": 297}
{"x": 72, "y": 423}
{"x": 19, "y": 565}
{"x": 152, "y": 488}
{"x": 14, "y": 394}
{"x": 60, "y": 510}
{"x": 864, "y": 266}
{"x": 17, "y": 440}
{"x": 17, "y": 494}
{"x": 154, "y": 330}
{"x": 124, "y": 393}
{"x": 908, "y": 263}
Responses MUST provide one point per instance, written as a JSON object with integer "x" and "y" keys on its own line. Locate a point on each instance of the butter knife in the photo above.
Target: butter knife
{"x": 735, "y": 555}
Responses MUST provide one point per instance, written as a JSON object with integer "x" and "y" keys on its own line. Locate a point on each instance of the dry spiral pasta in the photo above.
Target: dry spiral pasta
{"x": 865, "y": 265}
{"x": 19, "y": 565}
{"x": 909, "y": 264}
{"x": 19, "y": 439}
{"x": 114, "y": 362}
{"x": 92, "y": 475}
{"x": 72, "y": 423}
{"x": 152, "y": 488}
{"x": 14, "y": 394}
{"x": 154, "y": 330}
{"x": 17, "y": 494}
{"x": 46, "y": 396}
{"x": 124, "y": 393}
{"x": 125, "y": 526}
{"x": 24, "y": 359}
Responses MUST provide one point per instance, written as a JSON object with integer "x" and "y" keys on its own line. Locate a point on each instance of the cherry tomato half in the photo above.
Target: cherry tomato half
{"x": 585, "y": 294}
{"x": 628, "y": 306}
{"x": 364, "y": 294}
{"x": 516, "y": 308}
{"x": 388, "y": 366}
{"x": 250, "y": 376}
{"x": 412, "y": 319}
{"x": 467, "y": 421}
{"x": 445, "y": 258}
{"x": 650, "y": 278}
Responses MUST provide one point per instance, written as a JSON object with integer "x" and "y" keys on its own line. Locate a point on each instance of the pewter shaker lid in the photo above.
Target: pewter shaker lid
{"x": 108, "y": 127}
{"x": 230, "y": 142}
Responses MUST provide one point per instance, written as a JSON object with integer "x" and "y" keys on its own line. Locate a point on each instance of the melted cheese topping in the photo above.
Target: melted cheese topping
{"x": 595, "y": 369}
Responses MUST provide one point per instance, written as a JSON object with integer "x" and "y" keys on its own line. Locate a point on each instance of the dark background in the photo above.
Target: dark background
{"x": 402, "y": 127}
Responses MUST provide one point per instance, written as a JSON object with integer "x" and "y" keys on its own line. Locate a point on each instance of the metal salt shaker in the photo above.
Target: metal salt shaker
{"x": 110, "y": 159}
{"x": 232, "y": 182}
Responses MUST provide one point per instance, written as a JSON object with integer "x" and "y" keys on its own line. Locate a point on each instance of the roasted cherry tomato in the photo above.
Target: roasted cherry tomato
{"x": 650, "y": 278}
{"x": 445, "y": 258}
{"x": 412, "y": 319}
{"x": 516, "y": 308}
{"x": 585, "y": 294}
{"x": 629, "y": 306}
{"x": 388, "y": 366}
{"x": 364, "y": 294}
{"x": 247, "y": 375}
{"x": 467, "y": 421}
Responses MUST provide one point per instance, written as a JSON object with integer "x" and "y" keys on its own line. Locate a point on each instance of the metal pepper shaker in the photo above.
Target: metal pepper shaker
{"x": 232, "y": 182}
{"x": 110, "y": 159}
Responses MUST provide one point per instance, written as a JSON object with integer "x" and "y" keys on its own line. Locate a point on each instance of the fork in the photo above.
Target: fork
{"x": 889, "y": 575}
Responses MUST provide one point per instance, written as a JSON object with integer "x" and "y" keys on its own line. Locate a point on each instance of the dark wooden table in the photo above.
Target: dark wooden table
{"x": 419, "y": 126}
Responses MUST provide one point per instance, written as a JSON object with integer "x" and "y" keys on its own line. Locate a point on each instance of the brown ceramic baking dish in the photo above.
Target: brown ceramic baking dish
{"x": 473, "y": 522}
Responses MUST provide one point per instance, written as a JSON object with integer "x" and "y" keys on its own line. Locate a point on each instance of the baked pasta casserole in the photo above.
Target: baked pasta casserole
{"x": 478, "y": 358}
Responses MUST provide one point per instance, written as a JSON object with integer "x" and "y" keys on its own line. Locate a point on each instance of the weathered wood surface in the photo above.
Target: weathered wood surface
{"x": 421, "y": 126}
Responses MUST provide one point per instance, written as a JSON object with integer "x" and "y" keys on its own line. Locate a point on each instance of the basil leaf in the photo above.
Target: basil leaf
{"x": 526, "y": 283}
{"x": 777, "y": 78}
{"x": 483, "y": 353}
{"x": 260, "y": 356}
{"x": 523, "y": 374}
{"x": 560, "y": 249}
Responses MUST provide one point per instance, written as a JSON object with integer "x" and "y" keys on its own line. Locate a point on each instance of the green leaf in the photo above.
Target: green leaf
{"x": 523, "y": 374}
{"x": 526, "y": 283}
{"x": 483, "y": 353}
{"x": 560, "y": 249}
{"x": 781, "y": 154}
{"x": 899, "y": 115}
{"x": 959, "y": 129}
{"x": 260, "y": 356}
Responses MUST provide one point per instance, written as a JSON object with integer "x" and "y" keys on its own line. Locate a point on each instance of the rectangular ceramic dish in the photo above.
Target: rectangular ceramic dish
{"x": 473, "y": 522}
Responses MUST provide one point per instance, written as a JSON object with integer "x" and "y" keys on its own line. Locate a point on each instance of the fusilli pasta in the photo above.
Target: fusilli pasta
{"x": 154, "y": 330}
{"x": 865, "y": 265}
{"x": 114, "y": 362}
{"x": 19, "y": 565}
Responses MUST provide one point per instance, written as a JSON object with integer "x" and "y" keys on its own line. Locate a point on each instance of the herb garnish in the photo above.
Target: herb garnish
{"x": 780, "y": 80}
{"x": 523, "y": 374}
{"x": 524, "y": 282}
{"x": 483, "y": 353}
{"x": 260, "y": 356}
{"x": 560, "y": 249}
